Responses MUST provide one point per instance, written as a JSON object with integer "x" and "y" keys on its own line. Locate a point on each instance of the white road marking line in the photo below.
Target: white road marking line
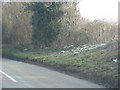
{"x": 8, "y": 76}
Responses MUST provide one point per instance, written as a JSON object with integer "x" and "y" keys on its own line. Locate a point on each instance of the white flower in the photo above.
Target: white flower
{"x": 115, "y": 60}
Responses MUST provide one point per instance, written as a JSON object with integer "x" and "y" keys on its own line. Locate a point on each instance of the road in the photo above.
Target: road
{"x": 22, "y": 75}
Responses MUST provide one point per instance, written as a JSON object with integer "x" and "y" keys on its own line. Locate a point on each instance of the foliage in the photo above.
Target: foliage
{"x": 51, "y": 24}
{"x": 15, "y": 24}
{"x": 45, "y": 14}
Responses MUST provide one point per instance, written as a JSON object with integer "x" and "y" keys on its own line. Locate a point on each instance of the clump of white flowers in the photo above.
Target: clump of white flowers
{"x": 75, "y": 50}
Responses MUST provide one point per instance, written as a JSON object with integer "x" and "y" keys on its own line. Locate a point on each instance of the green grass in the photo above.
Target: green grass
{"x": 97, "y": 60}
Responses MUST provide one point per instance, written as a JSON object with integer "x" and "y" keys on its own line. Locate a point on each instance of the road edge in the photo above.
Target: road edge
{"x": 108, "y": 82}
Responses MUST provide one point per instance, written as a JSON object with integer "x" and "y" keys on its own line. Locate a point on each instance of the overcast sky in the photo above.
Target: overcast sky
{"x": 99, "y": 9}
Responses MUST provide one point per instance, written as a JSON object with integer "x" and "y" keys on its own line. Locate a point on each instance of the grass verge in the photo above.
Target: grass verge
{"x": 95, "y": 65}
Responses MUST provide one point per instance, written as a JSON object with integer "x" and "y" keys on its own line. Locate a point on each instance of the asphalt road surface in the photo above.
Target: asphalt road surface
{"x": 22, "y": 75}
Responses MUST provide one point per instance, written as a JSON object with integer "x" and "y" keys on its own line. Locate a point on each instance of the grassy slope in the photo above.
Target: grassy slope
{"x": 95, "y": 62}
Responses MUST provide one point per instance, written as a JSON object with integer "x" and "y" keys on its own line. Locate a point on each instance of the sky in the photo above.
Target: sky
{"x": 99, "y": 9}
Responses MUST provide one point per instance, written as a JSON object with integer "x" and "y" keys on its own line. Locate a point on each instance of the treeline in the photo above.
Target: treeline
{"x": 16, "y": 26}
{"x": 51, "y": 24}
